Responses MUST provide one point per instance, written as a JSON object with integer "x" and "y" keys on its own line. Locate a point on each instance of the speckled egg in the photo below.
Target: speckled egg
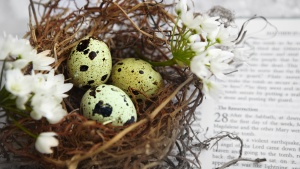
{"x": 137, "y": 78}
{"x": 89, "y": 63}
{"x": 108, "y": 104}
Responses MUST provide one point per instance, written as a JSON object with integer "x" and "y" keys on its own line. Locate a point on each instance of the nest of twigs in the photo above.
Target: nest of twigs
{"x": 130, "y": 29}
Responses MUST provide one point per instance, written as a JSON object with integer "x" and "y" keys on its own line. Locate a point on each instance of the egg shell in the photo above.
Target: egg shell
{"x": 108, "y": 103}
{"x": 137, "y": 78}
{"x": 89, "y": 63}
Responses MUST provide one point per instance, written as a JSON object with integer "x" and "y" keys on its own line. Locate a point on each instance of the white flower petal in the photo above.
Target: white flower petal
{"x": 211, "y": 89}
{"x": 45, "y": 141}
{"x": 198, "y": 66}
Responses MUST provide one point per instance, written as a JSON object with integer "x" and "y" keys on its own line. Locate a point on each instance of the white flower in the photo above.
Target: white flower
{"x": 41, "y": 61}
{"x": 13, "y": 47}
{"x": 193, "y": 38}
{"x": 58, "y": 114}
{"x": 23, "y": 54}
{"x": 208, "y": 24}
{"x": 21, "y": 101}
{"x": 181, "y": 7}
{"x": 224, "y": 36}
{"x": 219, "y": 62}
{"x": 19, "y": 85}
{"x": 56, "y": 85}
{"x": 189, "y": 21}
{"x": 198, "y": 47}
{"x": 48, "y": 107}
{"x": 199, "y": 66}
{"x": 45, "y": 141}
{"x": 211, "y": 89}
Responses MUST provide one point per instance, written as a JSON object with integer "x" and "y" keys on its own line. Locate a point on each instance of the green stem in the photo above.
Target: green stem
{"x": 23, "y": 128}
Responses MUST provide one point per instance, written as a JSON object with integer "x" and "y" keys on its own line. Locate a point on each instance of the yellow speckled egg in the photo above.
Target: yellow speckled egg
{"x": 108, "y": 104}
{"x": 89, "y": 63}
{"x": 137, "y": 78}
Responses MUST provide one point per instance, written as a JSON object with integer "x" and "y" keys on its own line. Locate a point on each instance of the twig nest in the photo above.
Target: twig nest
{"x": 137, "y": 78}
{"x": 89, "y": 63}
{"x": 108, "y": 104}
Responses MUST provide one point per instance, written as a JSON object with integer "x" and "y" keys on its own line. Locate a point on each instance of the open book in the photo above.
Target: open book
{"x": 261, "y": 104}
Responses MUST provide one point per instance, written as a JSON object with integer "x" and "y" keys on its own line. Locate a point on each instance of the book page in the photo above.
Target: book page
{"x": 261, "y": 105}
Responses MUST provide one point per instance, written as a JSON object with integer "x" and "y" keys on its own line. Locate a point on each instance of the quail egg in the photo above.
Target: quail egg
{"x": 137, "y": 78}
{"x": 89, "y": 63}
{"x": 108, "y": 104}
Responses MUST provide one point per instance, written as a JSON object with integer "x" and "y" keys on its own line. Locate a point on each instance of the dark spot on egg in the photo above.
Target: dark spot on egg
{"x": 89, "y": 103}
{"x": 102, "y": 109}
{"x": 83, "y": 68}
{"x": 120, "y": 63}
{"x": 103, "y": 59}
{"x": 132, "y": 71}
{"x": 93, "y": 92}
{"x": 103, "y": 78}
{"x": 130, "y": 121}
{"x": 86, "y": 51}
{"x": 150, "y": 77}
{"x": 91, "y": 82}
{"x": 155, "y": 83}
{"x": 113, "y": 89}
{"x": 92, "y": 55}
{"x": 97, "y": 51}
{"x": 119, "y": 70}
{"x": 135, "y": 92}
{"x": 82, "y": 45}
{"x": 141, "y": 72}
{"x": 125, "y": 100}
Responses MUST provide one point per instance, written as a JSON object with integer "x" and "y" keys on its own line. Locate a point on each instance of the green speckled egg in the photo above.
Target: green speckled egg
{"x": 89, "y": 63}
{"x": 108, "y": 104}
{"x": 137, "y": 78}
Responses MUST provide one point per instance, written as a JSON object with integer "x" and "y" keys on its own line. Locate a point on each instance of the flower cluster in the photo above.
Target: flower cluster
{"x": 40, "y": 94}
{"x": 198, "y": 41}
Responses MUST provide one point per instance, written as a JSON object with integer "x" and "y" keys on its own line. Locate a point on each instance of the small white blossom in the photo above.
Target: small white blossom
{"x": 40, "y": 61}
{"x": 19, "y": 85}
{"x": 211, "y": 89}
{"x": 208, "y": 24}
{"x": 45, "y": 141}
{"x": 219, "y": 60}
{"x": 48, "y": 107}
{"x": 181, "y": 7}
{"x": 224, "y": 36}
{"x": 199, "y": 66}
{"x": 198, "y": 47}
{"x": 190, "y": 22}
{"x": 56, "y": 85}
{"x": 13, "y": 47}
{"x": 193, "y": 38}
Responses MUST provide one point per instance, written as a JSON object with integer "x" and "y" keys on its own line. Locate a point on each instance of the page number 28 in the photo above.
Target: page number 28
{"x": 221, "y": 117}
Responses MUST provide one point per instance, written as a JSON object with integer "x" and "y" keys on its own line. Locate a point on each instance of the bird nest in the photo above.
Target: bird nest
{"x": 130, "y": 29}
